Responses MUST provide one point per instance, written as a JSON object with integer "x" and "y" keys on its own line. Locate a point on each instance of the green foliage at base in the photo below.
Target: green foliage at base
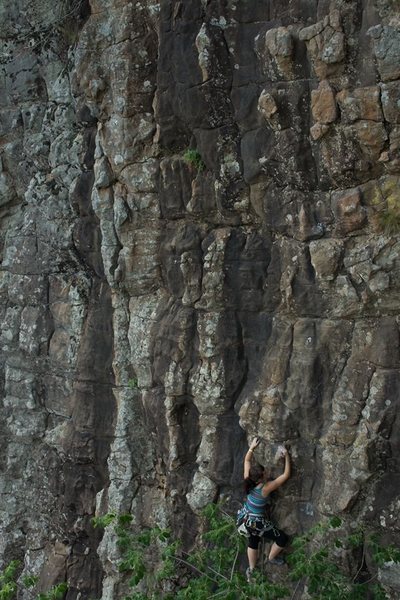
{"x": 30, "y": 581}
{"x": 56, "y": 593}
{"x": 313, "y": 560}
{"x": 9, "y": 586}
{"x": 318, "y": 567}
{"x": 158, "y": 568}
{"x": 383, "y": 554}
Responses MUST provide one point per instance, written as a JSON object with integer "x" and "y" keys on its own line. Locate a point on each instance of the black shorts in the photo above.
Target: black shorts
{"x": 274, "y": 534}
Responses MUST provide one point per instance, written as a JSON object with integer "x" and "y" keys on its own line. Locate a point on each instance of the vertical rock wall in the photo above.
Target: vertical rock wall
{"x": 155, "y": 309}
{"x": 58, "y": 407}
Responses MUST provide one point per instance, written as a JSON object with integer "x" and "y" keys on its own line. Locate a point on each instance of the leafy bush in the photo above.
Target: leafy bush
{"x": 158, "y": 567}
{"x": 383, "y": 554}
{"x": 9, "y": 586}
{"x": 193, "y": 157}
{"x": 103, "y": 521}
{"x": 56, "y": 593}
{"x": 30, "y": 580}
{"x": 154, "y": 562}
{"x": 317, "y": 566}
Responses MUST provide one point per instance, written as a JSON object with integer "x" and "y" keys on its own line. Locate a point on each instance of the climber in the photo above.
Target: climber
{"x": 257, "y": 524}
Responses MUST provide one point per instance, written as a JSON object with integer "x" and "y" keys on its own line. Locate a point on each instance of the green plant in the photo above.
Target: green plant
{"x": 389, "y": 221}
{"x": 193, "y": 157}
{"x": 313, "y": 561}
{"x": 383, "y": 554}
{"x": 56, "y": 593}
{"x": 324, "y": 578}
{"x": 133, "y": 383}
{"x": 152, "y": 558}
{"x": 153, "y": 562}
{"x": 9, "y": 586}
{"x": 30, "y": 580}
{"x": 104, "y": 520}
{"x": 8, "y": 590}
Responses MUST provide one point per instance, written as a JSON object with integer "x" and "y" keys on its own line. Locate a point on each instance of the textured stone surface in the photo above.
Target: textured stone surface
{"x": 157, "y": 312}
{"x": 323, "y": 104}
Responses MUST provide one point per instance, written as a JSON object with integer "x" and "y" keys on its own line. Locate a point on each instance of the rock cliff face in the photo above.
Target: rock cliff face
{"x": 159, "y": 306}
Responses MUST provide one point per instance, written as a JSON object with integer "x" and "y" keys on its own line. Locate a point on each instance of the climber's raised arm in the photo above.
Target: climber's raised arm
{"x": 247, "y": 458}
{"x": 270, "y": 486}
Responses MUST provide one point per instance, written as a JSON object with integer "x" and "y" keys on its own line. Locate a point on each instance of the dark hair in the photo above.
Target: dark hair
{"x": 255, "y": 474}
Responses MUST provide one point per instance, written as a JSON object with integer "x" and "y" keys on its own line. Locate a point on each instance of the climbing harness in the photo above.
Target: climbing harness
{"x": 248, "y": 524}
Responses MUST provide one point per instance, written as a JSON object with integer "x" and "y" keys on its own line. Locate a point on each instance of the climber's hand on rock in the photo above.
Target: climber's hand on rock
{"x": 254, "y": 443}
{"x": 284, "y": 452}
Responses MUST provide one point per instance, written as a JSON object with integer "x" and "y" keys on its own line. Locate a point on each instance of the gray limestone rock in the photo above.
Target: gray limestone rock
{"x": 157, "y": 311}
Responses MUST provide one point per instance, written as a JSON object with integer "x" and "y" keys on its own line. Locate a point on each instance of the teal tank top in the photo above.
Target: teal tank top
{"x": 255, "y": 503}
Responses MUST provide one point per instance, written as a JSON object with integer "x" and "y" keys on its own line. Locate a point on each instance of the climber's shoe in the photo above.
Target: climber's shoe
{"x": 249, "y": 574}
{"x": 279, "y": 561}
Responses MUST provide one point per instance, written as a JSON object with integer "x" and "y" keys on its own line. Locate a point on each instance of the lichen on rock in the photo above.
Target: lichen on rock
{"x": 155, "y": 313}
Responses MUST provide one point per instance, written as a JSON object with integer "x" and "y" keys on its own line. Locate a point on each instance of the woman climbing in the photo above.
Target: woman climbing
{"x": 258, "y": 488}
